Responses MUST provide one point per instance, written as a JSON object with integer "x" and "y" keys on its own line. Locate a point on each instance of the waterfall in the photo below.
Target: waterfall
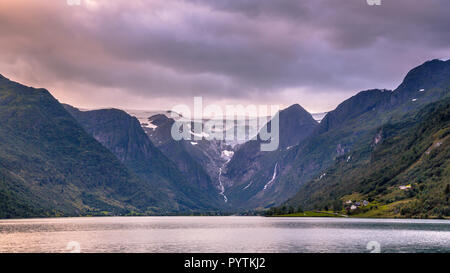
{"x": 221, "y": 186}
{"x": 273, "y": 178}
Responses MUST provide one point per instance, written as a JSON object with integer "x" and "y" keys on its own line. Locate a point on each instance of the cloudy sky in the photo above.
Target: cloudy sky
{"x": 155, "y": 54}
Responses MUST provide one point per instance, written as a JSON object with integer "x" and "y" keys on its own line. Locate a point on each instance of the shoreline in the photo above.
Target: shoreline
{"x": 322, "y": 214}
{"x": 308, "y": 214}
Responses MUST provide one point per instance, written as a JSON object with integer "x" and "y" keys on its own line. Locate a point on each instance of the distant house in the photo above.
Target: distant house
{"x": 407, "y": 187}
{"x": 365, "y": 203}
{"x": 357, "y": 204}
{"x": 353, "y": 207}
{"x": 349, "y": 202}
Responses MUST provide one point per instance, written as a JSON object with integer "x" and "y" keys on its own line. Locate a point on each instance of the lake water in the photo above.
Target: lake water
{"x": 223, "y": 234}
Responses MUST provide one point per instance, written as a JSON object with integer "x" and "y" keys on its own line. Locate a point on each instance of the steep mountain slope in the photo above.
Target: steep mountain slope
{"x": 50, "y": 166}
{"x": 124, "y": 137}
{"x": 251, "y": 174}
{"x": 413, "y": 152}
{"x": 198, "y": 160}
{"x": 352, "y": 123}
{"x": 426, "y": 83}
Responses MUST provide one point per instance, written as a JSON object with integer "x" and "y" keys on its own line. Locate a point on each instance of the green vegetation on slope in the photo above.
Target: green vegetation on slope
{"x": 350, "y": 126}
{"x": 124, "y": 137}
{"x": 413, "y": 152}
{"x": 49, "y": 166}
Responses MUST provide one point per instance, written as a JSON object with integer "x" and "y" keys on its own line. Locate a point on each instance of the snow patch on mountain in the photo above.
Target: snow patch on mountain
{"x": 319, "y": 116}
{"x": 249, "y": 184}
{"x": 227, "y": 154}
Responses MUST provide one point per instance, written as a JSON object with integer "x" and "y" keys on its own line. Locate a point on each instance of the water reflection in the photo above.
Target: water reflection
{"x": 223, "y": 234}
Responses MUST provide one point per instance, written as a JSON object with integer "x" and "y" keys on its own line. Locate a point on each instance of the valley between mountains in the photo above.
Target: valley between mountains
{"x": 380, "y": 153}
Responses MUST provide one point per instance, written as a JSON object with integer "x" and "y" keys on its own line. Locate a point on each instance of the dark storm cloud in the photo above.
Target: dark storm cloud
{"x": 242, "y": 50}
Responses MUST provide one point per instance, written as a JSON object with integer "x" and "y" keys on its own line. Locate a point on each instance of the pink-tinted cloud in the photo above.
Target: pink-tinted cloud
{"x": 152, "y": 54}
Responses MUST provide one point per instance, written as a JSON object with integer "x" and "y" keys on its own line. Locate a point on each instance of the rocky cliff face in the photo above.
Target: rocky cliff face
{"x": 199, "y": 160}
{"x": 351, "y": 124}
{"x": 123, "y": 135}
{"x": 55, "y": 163}
{"x": 252, "y": 174}
{"x": 50, "y": 166}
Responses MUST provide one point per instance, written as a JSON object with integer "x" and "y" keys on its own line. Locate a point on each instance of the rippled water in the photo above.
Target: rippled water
{"x": 223, "y": 234}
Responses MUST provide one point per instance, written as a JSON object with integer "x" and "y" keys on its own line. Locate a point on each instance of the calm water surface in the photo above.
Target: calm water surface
{"x": 223, "y": 234}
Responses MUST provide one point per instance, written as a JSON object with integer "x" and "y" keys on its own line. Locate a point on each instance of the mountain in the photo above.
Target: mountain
{"x": 106, "y": 162}
{"x": 425, "y": 83}
{"x": 422, "y": 85}
{"x": 363, "y": 102}
{"x": 251, "y": 173}
{"x": 342, "y": 130}
{"x": 198, "y": 160}
{"x": 403, "y": 172}
{"x": 123, "y": 135}
{"x": 201, "y": 161}
{"x": 352, "y": 123}
{"x": 49, "y": 165}
{"x": 295, "y": 125}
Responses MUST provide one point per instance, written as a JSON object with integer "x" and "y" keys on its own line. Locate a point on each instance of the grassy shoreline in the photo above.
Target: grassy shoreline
{"x": 312, "y": 214}
{"x": 361, "y": 215}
